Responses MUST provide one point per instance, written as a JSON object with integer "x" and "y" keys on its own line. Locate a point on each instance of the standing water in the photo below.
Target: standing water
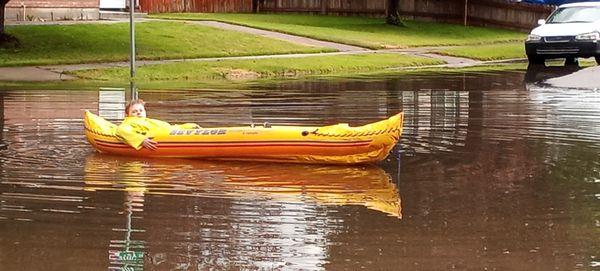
{"x": 491, "y": 173}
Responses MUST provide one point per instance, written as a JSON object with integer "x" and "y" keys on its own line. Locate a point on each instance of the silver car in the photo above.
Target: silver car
{"x": 571, "y": 31}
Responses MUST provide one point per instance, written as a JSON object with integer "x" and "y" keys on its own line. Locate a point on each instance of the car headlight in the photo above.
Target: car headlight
{"x": 588, "y": 36}
{"x": 533, "y": 37}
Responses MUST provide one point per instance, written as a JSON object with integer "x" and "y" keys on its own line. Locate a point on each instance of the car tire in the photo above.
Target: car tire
{"x": 571, "y": 61}
{"x": 597, "y": 59}
{"x": 535, "y": 59}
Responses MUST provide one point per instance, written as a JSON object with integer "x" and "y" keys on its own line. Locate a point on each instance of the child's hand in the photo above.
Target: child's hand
{"x": 149, "y": 144}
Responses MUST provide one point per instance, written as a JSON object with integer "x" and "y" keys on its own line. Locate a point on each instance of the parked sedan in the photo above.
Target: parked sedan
{"x": 571, "y": 31}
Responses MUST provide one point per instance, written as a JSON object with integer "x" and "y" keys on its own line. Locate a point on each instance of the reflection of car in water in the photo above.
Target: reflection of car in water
{"x": 540, "y": 73}
{"x": 571, "y": 31}
{"x": 368, "y": 186}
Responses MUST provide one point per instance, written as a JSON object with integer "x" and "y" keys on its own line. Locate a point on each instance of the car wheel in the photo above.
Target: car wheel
{"x": 571, "y": 61}
{"x": 598, "y": 60}
{"x": 535, "y": 59}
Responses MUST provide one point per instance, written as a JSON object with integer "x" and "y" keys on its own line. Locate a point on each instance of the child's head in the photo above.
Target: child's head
{"x": 135, "y": 108}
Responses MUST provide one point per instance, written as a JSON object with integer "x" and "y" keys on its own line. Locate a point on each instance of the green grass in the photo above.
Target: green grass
{"x": 85, "y": 43}
{"x": 487, "y": 52}
{"x": 222, "y": 83}
{"x": 262, "y": 69}
{"x": 361, "y": 31}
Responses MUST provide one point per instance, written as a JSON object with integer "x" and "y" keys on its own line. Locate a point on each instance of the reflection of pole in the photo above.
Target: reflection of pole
{"x": 131, "y": 253}
{"x": 128, "y": 234}
{"x": 475, "y": 119}
{"x": 393, "y": 100}
{"x": 399, "y": 158}
{"x": 2, "y": 146}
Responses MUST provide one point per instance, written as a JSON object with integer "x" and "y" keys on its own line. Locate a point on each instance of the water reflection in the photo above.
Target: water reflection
{"x": 541, "y": 73}
{"x": 126, "y": 253}
{"x": 368, "y": 185}
{"x": 270, "y": 205}
{"x": 2, "y": 144}
{"x": 495, "y": 175}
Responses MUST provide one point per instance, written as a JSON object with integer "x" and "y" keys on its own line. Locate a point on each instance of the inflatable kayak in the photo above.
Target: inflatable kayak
{"x": 335, "y": 144}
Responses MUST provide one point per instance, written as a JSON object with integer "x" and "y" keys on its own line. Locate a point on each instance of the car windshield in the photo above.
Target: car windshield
{"x": 575, "y": 15}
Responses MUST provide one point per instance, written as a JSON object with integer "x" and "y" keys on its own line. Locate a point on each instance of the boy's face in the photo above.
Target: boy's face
{"x": 137, "y": 110}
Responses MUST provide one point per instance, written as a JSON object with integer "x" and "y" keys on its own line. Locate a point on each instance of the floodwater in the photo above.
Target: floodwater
{"x": 492, "y": 173}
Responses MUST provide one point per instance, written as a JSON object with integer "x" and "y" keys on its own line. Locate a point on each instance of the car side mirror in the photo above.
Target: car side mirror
{"x": 541, "y": 21}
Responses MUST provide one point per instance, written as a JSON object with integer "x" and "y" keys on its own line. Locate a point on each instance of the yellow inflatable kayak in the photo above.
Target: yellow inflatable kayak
{"x": 335, "y": 144}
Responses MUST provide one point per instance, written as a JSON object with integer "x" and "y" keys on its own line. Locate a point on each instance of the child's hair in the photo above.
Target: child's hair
{"x": 131, "y": 103}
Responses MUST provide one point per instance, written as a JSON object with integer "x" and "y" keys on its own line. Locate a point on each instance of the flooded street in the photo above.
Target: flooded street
{"x": 491, "y": 173}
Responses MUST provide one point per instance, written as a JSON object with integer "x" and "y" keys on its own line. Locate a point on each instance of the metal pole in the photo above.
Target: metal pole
{"x": 132, "y": 39}
{"x": 466, "y": 11}
{"x": 132, "y": 50}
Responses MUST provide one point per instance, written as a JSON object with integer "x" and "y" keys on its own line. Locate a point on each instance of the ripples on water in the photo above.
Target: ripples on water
{"x": 494, "y": 174}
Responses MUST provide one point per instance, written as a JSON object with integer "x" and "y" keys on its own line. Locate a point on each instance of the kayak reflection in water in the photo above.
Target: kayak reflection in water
{"x": 137, "y": 130}
{"x": 369, "y": 186}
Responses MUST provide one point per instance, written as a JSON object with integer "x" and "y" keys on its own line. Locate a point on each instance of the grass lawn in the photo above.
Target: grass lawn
{"x": 488, "y": 51}
{"x": 85, "y": 43}
{"x": 220, "y": 82}
{"x": 361, "y": 31}
{"x": 219, "y": 72}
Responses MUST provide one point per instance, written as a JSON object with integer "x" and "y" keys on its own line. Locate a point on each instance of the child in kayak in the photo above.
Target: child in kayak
{"x": 137, "y": 130}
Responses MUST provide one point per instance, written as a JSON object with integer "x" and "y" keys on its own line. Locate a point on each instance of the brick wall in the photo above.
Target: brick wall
{"x": 52, "y": 10}
{"x": 54, "y": 3}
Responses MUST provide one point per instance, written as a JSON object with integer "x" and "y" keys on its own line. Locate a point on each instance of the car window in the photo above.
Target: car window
{"x": 575, "y": 15}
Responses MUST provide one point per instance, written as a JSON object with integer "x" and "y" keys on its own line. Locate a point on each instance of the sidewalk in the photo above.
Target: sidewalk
{"x": 56, "y": 72}
{"x": 31, "y": 74}
{"x": 277, "y": 35}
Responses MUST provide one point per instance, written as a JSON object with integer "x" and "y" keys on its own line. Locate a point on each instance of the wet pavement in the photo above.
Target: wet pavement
{"x": 495, "y": 171}
{"x": 580, "y": 78}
